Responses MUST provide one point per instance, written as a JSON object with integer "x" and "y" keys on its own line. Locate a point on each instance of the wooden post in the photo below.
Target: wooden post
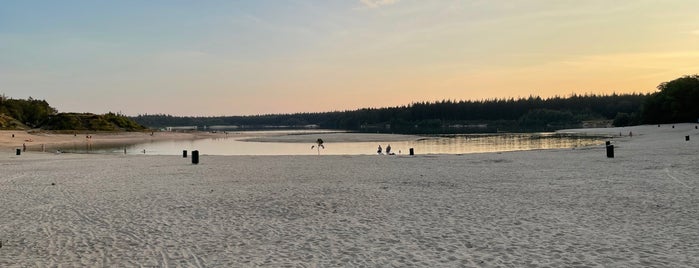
{"x": 610, "y": 151}
{"x": 195, "y": 157}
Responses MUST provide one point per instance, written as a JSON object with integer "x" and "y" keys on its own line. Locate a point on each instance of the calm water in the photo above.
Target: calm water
{"x": 453, "y": 144}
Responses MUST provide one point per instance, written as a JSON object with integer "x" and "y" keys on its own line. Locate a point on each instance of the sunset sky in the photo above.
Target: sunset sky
{"x": 210, "y": 58}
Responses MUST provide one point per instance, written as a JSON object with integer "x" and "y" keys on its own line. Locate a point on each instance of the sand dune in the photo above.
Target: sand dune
{"x": 552, "y": 208}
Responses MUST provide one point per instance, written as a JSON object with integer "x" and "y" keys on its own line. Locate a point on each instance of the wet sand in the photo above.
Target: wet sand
{"x": 35, "y": 141}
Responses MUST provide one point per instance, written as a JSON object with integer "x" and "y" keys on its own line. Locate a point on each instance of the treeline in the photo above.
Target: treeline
{"x": 93, "y": 122}
{"x": 33, "y": 113}
{"x": 24, "y": 113}
{"x": 524, "y": 114}
{"x": 676, "y": 101}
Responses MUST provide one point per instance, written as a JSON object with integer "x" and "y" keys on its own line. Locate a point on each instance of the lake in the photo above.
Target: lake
{"x": 441, "y": 144}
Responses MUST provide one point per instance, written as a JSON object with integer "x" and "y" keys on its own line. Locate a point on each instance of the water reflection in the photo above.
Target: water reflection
{"x": 452, "y": 144}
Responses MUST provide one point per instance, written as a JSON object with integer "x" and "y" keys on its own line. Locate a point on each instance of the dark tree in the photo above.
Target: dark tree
{"x": 677, "y": 101}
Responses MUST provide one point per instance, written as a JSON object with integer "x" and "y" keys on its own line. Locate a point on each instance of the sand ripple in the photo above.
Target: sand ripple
{"x": 562, "y": 208}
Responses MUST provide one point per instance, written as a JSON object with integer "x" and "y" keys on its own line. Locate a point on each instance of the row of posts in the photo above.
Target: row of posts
{"x": 610, "y": 147}
{"x": 195, "y": 155}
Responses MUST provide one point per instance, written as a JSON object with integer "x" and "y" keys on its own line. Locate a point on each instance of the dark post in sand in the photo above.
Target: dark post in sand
{"x": 610, "y": 150}
{"x": 184, "y": 153}
{"x": 686, "y": 138}
{"x": 412, "y": 152}
{"x": 195, "y": 157}
{"x": 19, "y": 151}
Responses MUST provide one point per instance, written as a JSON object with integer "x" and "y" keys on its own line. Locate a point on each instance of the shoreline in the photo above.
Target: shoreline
{"x": 35, "y": 140}
{"x": 52, "y": 142}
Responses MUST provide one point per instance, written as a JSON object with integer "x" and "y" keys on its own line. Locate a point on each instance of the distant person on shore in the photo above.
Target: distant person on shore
{"x": 379, "y": 150}
{"x": 388, "y": 149}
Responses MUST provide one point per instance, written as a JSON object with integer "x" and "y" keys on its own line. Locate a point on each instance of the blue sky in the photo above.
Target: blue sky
{"x": 258, "y": 57}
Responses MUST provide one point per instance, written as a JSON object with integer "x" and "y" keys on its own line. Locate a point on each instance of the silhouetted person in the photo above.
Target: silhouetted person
{"x": 388, "y": 149}
{"x": 379, "y": 150}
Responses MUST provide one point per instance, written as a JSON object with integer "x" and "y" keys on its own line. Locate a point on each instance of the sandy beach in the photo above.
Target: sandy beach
{"x": 544, "y": 208}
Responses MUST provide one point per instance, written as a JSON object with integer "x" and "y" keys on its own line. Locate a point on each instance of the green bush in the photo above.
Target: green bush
{"x": 86, "y": 121}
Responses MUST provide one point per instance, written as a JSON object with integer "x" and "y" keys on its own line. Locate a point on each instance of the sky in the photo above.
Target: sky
{"x": 228, "y": 57}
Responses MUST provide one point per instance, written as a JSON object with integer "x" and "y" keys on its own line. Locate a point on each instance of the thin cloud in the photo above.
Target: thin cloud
{"x": 377, "y": 3}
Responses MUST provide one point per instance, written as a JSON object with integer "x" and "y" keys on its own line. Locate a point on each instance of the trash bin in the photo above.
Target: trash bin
{"x": 184, "y": 154}
{"x": 610, "y": 151}
{"x": 412, "y": 152}
{"x": 19, "y": 151}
